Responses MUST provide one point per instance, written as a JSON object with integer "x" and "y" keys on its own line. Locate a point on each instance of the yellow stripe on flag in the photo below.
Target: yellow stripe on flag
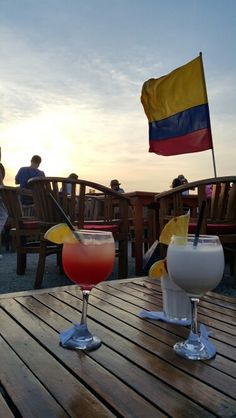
{"x": 179, "y": 90}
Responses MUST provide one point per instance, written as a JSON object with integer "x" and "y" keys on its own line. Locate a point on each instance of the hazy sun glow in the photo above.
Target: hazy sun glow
{"x": 70, "y": 91}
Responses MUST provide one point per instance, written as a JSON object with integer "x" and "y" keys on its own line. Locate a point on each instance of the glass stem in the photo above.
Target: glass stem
{"x": 85, "y": 307}
{"x": 194, "y": 327}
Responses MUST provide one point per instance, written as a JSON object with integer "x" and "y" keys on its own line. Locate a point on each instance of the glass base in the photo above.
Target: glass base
{"x": 193, "y": 349}
{"x": 79, "y": 338}
{"x": 87, "y": 344}
{"x": 176, "y": 319}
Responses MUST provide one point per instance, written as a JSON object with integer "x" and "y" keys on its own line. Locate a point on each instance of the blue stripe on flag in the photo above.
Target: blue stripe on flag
{"x": 181, "y": 123}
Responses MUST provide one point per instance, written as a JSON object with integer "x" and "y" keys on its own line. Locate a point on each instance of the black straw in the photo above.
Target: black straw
{"x": 199, "y": 223}
{"x": 66, "y": 219}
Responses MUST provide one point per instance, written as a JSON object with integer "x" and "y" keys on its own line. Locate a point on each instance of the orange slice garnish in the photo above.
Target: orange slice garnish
{"x": 60, "y": 234}
{"x": 176, "y": 226}
{"x": 157, "y": 270}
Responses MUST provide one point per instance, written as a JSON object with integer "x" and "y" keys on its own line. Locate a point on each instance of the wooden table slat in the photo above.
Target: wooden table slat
{"x": 89, "y": 371}
{"x": 111, "y": 323}
{"x": 5, "y": 410}
{"x": 142, "y": 382}
{"x": 22, "y": 382}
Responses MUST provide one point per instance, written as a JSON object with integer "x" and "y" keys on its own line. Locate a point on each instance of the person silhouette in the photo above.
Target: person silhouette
{"x": 3, "y": 210}
{"x": 26, "y": 173}
{"x": 115, "y": 185}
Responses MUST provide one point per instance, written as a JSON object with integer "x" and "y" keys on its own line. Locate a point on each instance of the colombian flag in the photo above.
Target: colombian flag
{"x": 177, "y": 110}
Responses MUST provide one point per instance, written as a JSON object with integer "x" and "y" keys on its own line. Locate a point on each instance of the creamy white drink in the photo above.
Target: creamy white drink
{"x": 196, "y": 269}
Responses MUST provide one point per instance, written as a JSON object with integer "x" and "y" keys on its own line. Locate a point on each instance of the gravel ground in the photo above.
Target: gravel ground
{"x": 10, "y": 282}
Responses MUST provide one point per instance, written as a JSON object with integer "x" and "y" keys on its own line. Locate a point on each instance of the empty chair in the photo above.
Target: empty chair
{"x": 25, "y": 231}
{"x": 220, "y": 214}
{"x": 111, "y": 216}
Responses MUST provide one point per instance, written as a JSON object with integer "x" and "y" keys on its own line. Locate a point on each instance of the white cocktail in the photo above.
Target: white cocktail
{"x": 196, "y": 268}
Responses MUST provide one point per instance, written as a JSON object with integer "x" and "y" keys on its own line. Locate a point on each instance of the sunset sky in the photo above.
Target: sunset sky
{"x": 71, "y": 74}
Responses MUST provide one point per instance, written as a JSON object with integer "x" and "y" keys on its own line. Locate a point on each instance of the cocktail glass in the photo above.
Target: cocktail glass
{"x": 87, "y": 262}
{"x": 196, "y": 268}
{"x": 176, "y": 303}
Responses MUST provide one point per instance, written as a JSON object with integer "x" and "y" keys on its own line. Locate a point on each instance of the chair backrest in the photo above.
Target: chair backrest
{"x": 24, "y": 229}
{"x": 112, "y": 212}
{"x": 220, "y": 206}
{"x": 231, "y": 206}
{"x": 79, "y": 204}
{"x": 11, "y": 199}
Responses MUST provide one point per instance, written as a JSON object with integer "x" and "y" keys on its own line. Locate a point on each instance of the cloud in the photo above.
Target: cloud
{"x": 71, "y": 84}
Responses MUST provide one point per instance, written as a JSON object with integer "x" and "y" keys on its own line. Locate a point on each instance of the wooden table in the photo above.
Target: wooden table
{"x": 135, "y": 373}
{"x": 141, "y": 220}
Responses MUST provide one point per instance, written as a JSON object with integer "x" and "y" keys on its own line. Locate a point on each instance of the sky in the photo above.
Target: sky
{"x": 71, "y": 74}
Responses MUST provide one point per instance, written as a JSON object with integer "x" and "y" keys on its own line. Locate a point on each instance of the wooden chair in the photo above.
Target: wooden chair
{"x": 74, "y": 205}
{"x": 220, "y": 215}
{"x": 25, "y": 231}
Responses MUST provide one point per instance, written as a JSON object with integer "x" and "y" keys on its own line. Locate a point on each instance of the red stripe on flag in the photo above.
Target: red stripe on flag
{"x": 194, "y": 142}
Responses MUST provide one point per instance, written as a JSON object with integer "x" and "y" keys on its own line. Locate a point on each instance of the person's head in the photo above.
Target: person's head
{"x": 115, "y": 184}
{"x": 182, "y": 179}
{"x": 73, "y": 176}
{"x": 176, "y": 182}
{"x": 35, "y": 161}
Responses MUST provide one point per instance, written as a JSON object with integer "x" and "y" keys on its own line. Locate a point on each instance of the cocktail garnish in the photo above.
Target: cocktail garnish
{"x": 176, "y": 226}
{"x": 61, "y": 234}
{"x": 157, "y": 270}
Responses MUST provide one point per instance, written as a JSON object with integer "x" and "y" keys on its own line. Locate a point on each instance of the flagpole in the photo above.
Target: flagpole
{"x": 212, "y": 150}
{"x": 213, "y": 159}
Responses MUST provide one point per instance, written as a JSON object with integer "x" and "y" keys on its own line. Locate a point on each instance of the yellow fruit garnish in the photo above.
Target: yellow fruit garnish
{"x": 60, "y": 234}
{"x": 176, "y": 226}
{"x": 157, "y": 270}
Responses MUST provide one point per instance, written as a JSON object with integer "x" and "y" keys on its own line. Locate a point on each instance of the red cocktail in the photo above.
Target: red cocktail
{"x": 87, "y": 261}
{"x": 90, "y": 263}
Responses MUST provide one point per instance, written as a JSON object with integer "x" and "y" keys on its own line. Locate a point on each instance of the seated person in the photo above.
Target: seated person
{"x": 175, "y": 183}
{"x": 183, "y": 181}
{"x": 2, "y": 173}
{"x": 26, "y": 173}
{"x": 72, "y": 176}
{"x": 3, "y": 211}
{"x": 208, "y": 189}
{"x": 115, "y": 185}
{"x": 180, "y": 181}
